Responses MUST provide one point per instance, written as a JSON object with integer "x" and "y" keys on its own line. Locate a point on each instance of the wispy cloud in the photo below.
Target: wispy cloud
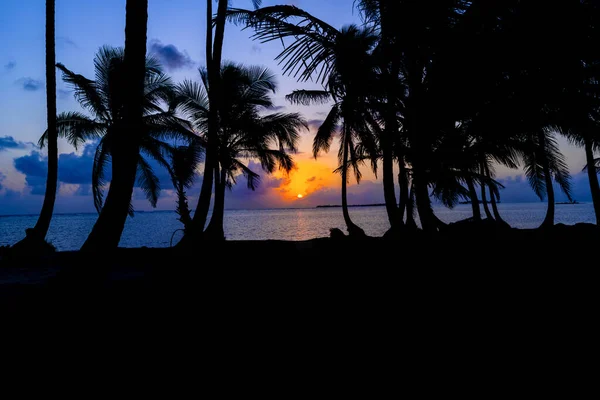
{"x": 8, "y": 142}
{"x": 170, "y": 56}
{"x": 63, "y": 93}
{"x": 10, "y": 66}
{"x": 30, "y": 84}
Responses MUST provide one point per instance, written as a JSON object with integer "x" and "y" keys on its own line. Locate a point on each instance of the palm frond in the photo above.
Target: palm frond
{"x": 308, "y": 97}
{"x": 86, "y": 92}
{"x": 148, "y": 181}
{"x": 252, "y": 177}
{"x": 101, "y": 159}
{"x": 324, "y": 136}
{"x": 76, "y": 128}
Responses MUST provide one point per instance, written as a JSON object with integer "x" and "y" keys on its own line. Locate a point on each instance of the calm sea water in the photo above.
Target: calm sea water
{"x": 155, "y": 229}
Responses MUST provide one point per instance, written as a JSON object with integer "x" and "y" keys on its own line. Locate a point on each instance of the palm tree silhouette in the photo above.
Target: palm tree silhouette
{"x": 349, "y": 85}
{"x": 43, "y": 223}
{"x": 215, "y": 33}
{"x": 157, "y": 140}
{"x": 244, "y": 131}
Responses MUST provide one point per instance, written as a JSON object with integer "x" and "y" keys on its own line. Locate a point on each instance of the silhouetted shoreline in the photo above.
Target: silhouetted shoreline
{"x": 351, "y": 205}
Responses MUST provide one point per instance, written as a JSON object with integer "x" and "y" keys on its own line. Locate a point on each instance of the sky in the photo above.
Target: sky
{"x": 176, "y": 32}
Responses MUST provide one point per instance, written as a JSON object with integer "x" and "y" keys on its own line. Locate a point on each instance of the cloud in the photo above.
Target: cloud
{"x": 256, "y": 49}
{"x": 8, "y": 142}
{"x": 322, "y": 113}
{"x": 73, "y": 169}
{"x": 2, "y": 177}
{"x": 277, "y": 108}
{"x": 314, "y": 178}
{"x": 10, "y": 66}
{"x": 30, "y": 84}
{"x": 170, "y": 56}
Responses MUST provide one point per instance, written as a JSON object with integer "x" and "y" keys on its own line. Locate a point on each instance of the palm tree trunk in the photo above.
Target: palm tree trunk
{"x": 474, "y": 200}
{"x": 353, "y": 230}
{"x": 410, "y": 210}
{"x": 43, "y": 222}
{"x": 593, "y": 178}
{"x": 549, "y": 220}
{"x": 215, "y": 227}
{"x": 488, "y": 214}
{"x": 403, "y": 182}
{"x": 428, "y": 223}
{"x": 495, "y": 209}
{"x": 389, "y": 187}
{"x": 214, "y": 53}
{"x": 107, "y": 231}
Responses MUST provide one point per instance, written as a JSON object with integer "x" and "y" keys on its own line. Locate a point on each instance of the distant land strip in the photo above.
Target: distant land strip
{"x": 351, "y": 205}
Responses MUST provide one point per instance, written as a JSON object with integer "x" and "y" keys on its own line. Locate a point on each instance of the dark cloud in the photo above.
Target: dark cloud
{"x": 73, "y": 169}
{"x": 322, "y": 113}
{"x": 256, "y": 49}
{"x": 10, "y": 66}
{"x": 8, "y": 142}
{"x": 314, "y": 178}
{"x": 35, "y": 169}
{"x": 30, "y": 84}
{"x": 170, "y": 56}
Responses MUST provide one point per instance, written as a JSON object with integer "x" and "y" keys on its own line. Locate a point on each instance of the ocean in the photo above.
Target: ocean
{"x": 157, "y": 228}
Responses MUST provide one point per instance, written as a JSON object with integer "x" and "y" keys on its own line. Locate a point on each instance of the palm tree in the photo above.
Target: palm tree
{"x": 544, "y": 163}
{"x": 350, "y": 87}
{"x": 339, "y": 60}
{"x": 43, "y": 223}
{"x": 156, "y": 140}
{"x": 214, "y": 52}
{"x": 244, "y": 132}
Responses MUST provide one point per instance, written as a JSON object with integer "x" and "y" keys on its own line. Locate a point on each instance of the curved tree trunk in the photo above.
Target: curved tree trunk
{"x": 43, "y": 222}
{"x": 410, "y": 210}
{"x": 107, "y": 231}
{"x": 474, "y": 200}
{"x": 428, "y": 222}
{"x": 488, "y": 214}
{"x": 403, "y": 182}
{"x": 215, "y": 227}
{"x": 593, "y": 178}
{"x": 214, "y": 51}
{"x": 495, "y": 208}
{"x": 353, "y": 230}
{"x": 549, "y": 220}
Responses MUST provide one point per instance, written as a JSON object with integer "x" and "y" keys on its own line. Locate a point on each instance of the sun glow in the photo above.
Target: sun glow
{"x": 300, "y": 196}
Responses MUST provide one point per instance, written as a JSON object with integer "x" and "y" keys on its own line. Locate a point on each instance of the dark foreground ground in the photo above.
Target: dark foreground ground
{"x": 498, "y": 264}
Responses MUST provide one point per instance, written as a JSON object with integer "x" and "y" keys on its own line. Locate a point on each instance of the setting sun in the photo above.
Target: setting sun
{"x": 300, "y": 196}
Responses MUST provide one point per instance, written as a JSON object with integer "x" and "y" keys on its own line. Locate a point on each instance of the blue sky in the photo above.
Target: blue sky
{"x": 175, "y": 34}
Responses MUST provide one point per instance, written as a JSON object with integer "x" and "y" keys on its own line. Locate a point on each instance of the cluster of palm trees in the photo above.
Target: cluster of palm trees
{"x": 443, "y": 91}
{"x": 433, "y": 93}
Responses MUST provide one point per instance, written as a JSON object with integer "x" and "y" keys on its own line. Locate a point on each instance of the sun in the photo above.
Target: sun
{"x": 300, "y": 196}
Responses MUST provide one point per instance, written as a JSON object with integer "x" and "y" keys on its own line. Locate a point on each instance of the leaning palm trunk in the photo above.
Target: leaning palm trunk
{"x": 488, "y": 214}
{"x": 549, "y": 220}
{"x": 353, "y": 230}
{"x": 410, "y": 210}
{"x": 428, "y": 222}
{"x": 593, "y": 178}
{"x": 215, "y": 227}
{"x": 404, "y": 195}
{"x": 107, "y": 231}
{"x": 497, "y": 216}
{"x": 43, "y": 222}
{"x": 474, "y": 199}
